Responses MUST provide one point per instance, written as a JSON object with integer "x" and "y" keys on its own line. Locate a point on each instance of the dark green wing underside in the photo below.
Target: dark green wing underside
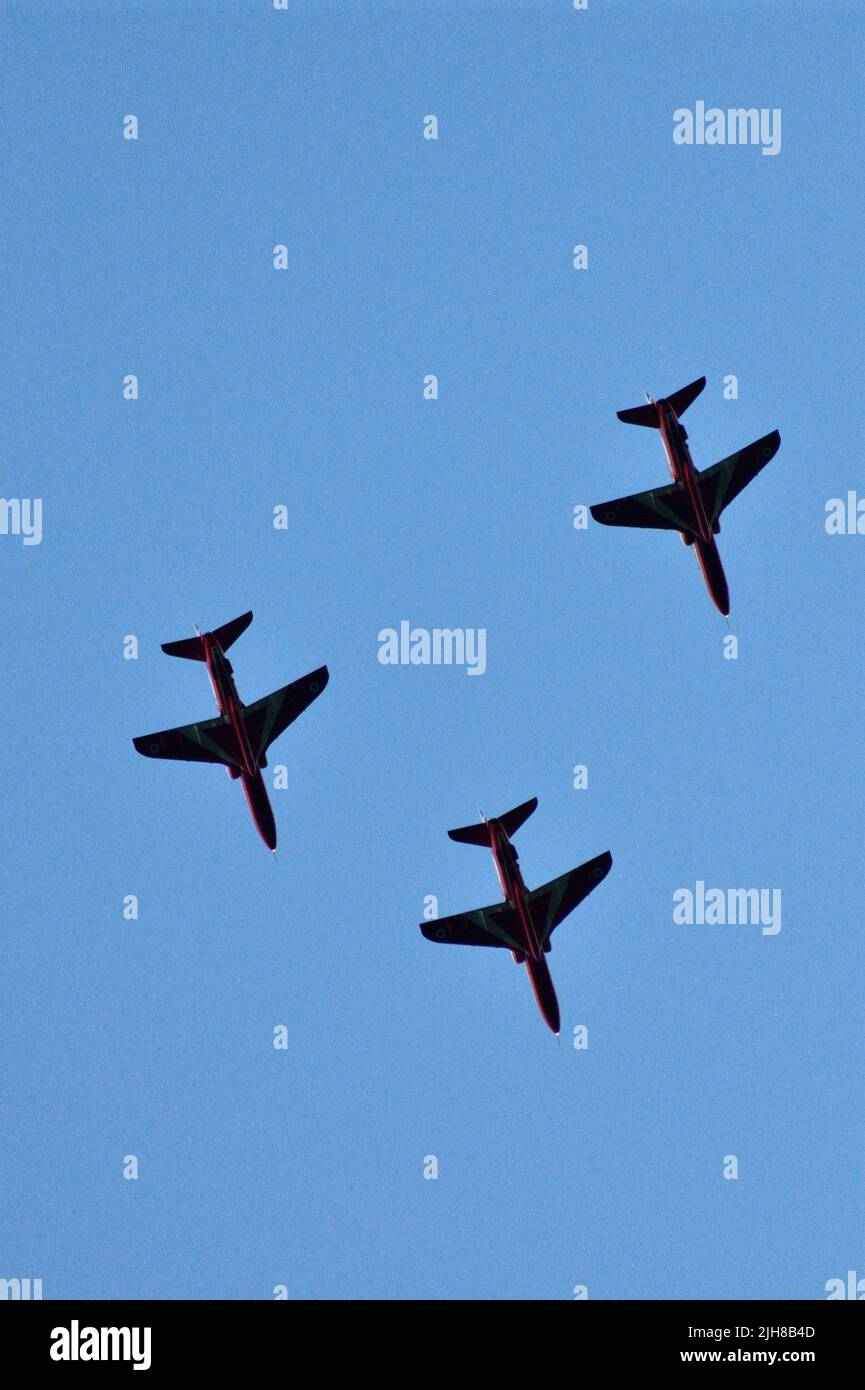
{"x": 486, "y": 926}
{"x": 725, "y": 480}
{"x": 668, "y": 508}
{"x": 265, "y": 720}
{"x": 499, "y": 925}
{"x": 553, "y": 902}
{"x": 665, "y": 508}
{"x": 211, "y": 741}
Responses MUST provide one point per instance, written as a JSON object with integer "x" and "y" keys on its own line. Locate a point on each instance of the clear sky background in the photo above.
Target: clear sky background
{"x": 303, "y": 388}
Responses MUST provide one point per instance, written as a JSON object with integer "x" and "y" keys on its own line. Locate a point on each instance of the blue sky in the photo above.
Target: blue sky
{"x": 303, "y": 388}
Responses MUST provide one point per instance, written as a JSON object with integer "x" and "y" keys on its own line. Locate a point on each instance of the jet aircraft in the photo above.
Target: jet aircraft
{"x": 694, "y": 501}
{"x": 240, "y": 734}
{"x": 524, "y": 922}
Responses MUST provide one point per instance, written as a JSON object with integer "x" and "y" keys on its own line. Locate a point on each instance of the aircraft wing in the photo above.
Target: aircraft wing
{"x": 267, "y": 718}
{"x": 486, "y": 926}
{"x": 211, "y": 741}
{"x": 552, "y": 903}
{"x": 667, "y": 508}
{"x": 725, "y": 480}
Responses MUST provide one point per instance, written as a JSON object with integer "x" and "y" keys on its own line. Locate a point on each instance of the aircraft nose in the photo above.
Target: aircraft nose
{"x": 551, "y": 1015}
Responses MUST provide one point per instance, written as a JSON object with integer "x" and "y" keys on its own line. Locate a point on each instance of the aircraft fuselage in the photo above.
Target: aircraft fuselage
{"x": 228, "y": 701}
{"x": 516, "y": 895}
{"x": 230, "y": 705}
{"x": 682, "y": 470}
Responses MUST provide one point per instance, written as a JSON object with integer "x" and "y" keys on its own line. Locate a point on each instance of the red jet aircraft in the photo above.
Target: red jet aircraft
{"x": 240, "y": 735}
{"x": 524, "y": 922}
{"x": 693, "y": 502}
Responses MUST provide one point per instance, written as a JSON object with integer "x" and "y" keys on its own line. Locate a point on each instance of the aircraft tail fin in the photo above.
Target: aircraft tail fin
{"x": 510, "y": 822}
{"x": 193, "y": 647}
{"x": 648, "y": 414}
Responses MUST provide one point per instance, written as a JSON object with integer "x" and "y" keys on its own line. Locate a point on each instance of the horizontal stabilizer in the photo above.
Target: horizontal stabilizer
{"x": 640, "y": 415}
{"x": 510, "y": 823}
{"x": 193, "y": 647}
{"x": 512, "y": 820}
{"x": 190, "y": 647}
{"x": 472, "y": 835}
{"x": 229, "y": 632}
{"x": 680, "y": 400}
{"x": 648, "y": 414}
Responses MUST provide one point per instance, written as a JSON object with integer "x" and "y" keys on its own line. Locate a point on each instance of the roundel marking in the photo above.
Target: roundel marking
{"x": 441, "y": 933}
